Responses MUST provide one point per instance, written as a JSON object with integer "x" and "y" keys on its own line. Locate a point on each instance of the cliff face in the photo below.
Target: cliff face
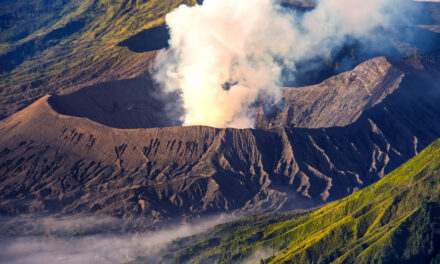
{"x": 361, "y": 125}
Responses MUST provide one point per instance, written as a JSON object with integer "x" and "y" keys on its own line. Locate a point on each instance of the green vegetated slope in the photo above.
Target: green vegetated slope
{"x": 396, "y": 220}
{"x": 20, "y": 19}
{"x": 47, "y": 46}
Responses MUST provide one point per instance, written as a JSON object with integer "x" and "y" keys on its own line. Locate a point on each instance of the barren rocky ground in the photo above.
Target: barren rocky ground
{"x": 305, "y": 155}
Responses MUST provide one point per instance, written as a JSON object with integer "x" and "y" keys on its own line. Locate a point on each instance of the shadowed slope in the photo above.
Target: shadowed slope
{"x": 151, "y": 39}
{"x": 130, "y": 103}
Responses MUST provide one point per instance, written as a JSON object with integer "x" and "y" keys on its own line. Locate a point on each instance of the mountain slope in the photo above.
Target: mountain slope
{"x": 395, "y": 220}
{"x": 56, "y": 163}
{"x": 71, "y": 44}
{"x": 339, "y": 100}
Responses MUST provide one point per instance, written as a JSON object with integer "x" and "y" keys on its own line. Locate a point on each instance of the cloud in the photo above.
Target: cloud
{"x": 258, "y": 255}
{"x": 225, "y": 54}
{"x": 87, "y": 240}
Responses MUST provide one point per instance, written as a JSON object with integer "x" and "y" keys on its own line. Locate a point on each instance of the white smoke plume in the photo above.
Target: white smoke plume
{"x": 226, "y": 54}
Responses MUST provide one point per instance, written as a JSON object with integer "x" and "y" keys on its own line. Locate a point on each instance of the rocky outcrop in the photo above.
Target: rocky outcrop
{"x": 339, "y": 100}
{"x": 50, "y": 162}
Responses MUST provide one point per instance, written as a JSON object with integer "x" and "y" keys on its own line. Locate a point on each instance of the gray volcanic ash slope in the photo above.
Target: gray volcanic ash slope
{"x": 339, "y": 100}
{"x": 377, "y": 116}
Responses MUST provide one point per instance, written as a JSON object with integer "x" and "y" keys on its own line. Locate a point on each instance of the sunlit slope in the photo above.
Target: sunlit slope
{"x": 395, "y": 220}
{"x": 48, "y": 46}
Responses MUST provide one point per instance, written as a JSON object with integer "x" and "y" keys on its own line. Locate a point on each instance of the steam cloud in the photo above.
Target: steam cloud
{"x": 227, "y": 54}
{"x": 62, "y": 240}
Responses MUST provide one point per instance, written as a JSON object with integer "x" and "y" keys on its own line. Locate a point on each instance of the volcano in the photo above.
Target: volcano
{"x": 73, "y": 153}
{"x": 86, "y": 129}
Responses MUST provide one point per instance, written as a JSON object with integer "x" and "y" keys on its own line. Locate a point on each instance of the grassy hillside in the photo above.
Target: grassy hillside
{"x": 47, "y": 46}
{"x": 396, "y": 220}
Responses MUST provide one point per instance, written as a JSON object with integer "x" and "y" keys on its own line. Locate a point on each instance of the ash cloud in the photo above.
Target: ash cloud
{"x": 225, "y": 55}
{"x": 88, "y": 240}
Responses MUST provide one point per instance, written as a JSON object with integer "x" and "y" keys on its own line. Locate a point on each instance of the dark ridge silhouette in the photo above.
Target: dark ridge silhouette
{"x": 148, "y": 40}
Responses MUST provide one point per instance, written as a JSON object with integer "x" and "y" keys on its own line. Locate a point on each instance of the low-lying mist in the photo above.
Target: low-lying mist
{"x": 86, "y": 239}
{"x": 225, "y": 55}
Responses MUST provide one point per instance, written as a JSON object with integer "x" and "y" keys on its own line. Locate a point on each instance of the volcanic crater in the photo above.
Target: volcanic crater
{"x": 93, "y": 150}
